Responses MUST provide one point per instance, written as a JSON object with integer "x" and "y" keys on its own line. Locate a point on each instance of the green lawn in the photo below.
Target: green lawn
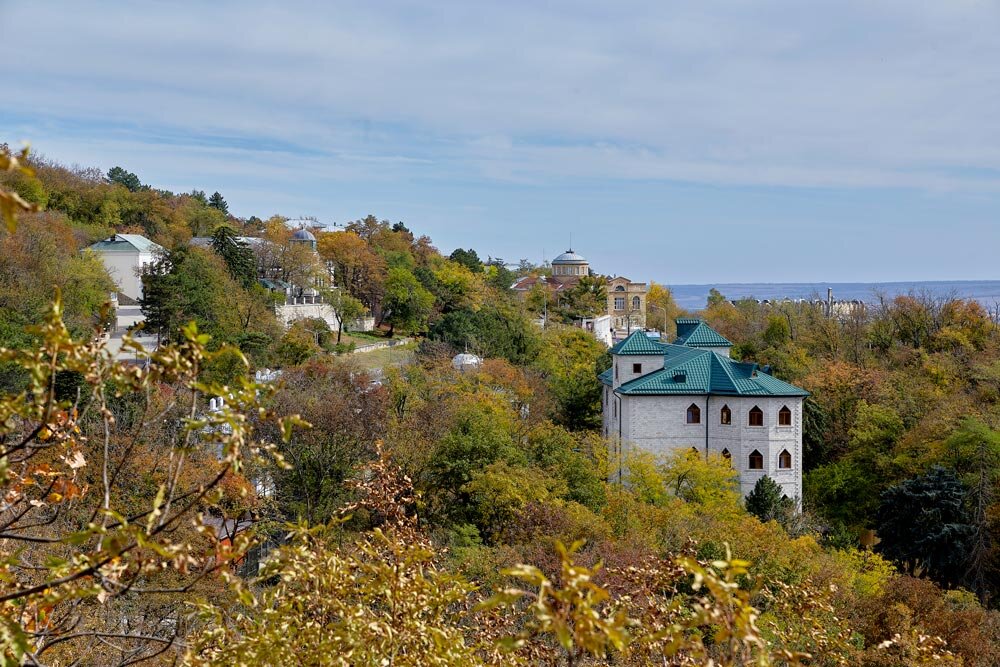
{"x": 389, "y": 356}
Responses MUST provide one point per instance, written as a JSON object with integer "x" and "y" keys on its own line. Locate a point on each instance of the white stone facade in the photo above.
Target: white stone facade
{"x": 658, "y": 424}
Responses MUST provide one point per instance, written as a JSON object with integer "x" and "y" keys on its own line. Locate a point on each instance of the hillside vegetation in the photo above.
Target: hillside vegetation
{"x": 453, "y": 517}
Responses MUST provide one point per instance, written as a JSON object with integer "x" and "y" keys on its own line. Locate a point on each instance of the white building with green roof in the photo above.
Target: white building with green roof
{"x": 690, "y": 395}
{"x": 124, "y": 256}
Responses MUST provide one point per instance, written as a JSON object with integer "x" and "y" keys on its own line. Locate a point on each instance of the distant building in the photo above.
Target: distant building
{"x": 626, "y": 309}
{"x": 689, "y": 395}
{"x": 125, "y": 256}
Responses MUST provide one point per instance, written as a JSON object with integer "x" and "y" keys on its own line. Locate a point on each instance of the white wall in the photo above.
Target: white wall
{"x": 650, "y": 363}
{"x": 658, "y": 424}
{"x": 122, "y": 268}
{"x": 287, "y": 314}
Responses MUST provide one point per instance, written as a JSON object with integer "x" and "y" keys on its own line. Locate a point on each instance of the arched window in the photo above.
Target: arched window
{"x": 619, "y": 288}
{"x": 725, "y": 415}
{"x": 756, "y": 460}
{"x": 756, "y": 416}
{"x": 695, "y": 452}
{"x": 784, "y": 416}
{"x": 726, "y": 455}
{"x": 784, "y": 459}
{"x": 635, "y": 303}
{"x": 694, "y": 414}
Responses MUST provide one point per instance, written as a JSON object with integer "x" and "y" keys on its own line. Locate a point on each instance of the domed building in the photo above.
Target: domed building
{"x": 304, "y": 236}
{"x": 626, "y": 310}
{"x": 570, "y": 264}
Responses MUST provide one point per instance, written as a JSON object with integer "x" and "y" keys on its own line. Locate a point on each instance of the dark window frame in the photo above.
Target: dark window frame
{"x": 785, "y": 416}
{"x": 783, "y": 457}
{"x": 755, "y": 415}
{"x": 755, "y": 456}
{"x": 726, "y": 416}
{"x": 693, "y": 414}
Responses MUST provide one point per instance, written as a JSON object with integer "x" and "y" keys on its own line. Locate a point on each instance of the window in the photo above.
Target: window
{"x": 694, "y": 451}
{"x": 637, "y": 369}
{"x": 784, "y": 459}
{"x": 784, "y": 416}
{"x": 756, "y": 416}
{"x": 725, "y": 415}
{"x": 635, "y": 303}
{"x": 694, "y": 414}
{"x": 756, "y": 460}
{"x": 619, "y": 303}
{"x": 619, "y": 288}
{"x": 616, "y": 371}
{"x": 726, "y": 455}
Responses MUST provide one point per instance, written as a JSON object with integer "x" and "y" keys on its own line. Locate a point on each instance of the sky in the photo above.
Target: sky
{"x": 694, "y": 142}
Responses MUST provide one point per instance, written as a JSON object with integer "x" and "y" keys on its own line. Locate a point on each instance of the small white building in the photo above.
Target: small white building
{"x": 124, "y": 256}
{"x": 690, "y": 395}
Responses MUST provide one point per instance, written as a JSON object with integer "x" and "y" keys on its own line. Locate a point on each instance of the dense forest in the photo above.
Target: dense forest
{"x": 443, "y": 515}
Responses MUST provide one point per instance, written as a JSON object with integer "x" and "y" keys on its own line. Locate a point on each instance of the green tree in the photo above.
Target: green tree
{"x": 347, "y": 308}
{"x": 568, "y": 360}
{"x": 923, "y": 525}
{"x": 715, "y": 298}
{"x": 239, "y": 258}
{"x": 190, "y": 284}
{"x": 467, "y": 258}
{"x": 496, "y": 330}
{"x": 588, "y": 297}
{"x": 406, "y": 302}
{"x": 767, "y": 501}
{"x": 217, "y": 202}
{"x": 124, "y": 178}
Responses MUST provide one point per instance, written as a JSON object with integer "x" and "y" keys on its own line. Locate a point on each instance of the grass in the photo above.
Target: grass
{"x": 399, "y": 355}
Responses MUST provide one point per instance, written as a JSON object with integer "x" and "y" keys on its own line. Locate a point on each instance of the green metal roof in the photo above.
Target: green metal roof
{"x": 695, "y": 333}
{"x": 693, "y": 371}
{"x": 606, "y": 376}
{"x": 126, "y": 243}
{"x": 638, "y": 344}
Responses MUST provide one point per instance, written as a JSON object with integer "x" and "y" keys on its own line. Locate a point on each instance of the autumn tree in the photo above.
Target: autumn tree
{"x": 662, "y": 310}
{"x": 104, "y": 487}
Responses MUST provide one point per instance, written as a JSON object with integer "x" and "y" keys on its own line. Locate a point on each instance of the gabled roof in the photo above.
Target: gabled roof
{"x": 638, "y": 344}
{"x": 695, "y": 333}
{"x": 607, "y": 376}
{"x": 126, "y": 243}
{"x": 690, "y": 370}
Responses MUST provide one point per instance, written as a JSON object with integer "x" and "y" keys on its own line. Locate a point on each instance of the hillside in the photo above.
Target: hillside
{"x": 449, "y": 515}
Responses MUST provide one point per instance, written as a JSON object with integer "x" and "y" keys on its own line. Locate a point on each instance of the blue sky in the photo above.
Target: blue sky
{"x": 697, "y": 142}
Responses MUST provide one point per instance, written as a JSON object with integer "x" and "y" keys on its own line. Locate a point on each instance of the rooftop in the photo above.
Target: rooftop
{"x": 126, "y": 243}
{"x": 689, "y": 368}
{"x": 569, "y": 257}
{"x": 695, "y": 333}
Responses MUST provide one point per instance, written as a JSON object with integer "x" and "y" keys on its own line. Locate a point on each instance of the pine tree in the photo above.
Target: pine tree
{"x": 125, "y": 178}
{"x": 218, "y": 202}
{"x": 238, "y": 257}
{"x": 923, "y": 525}
{"x": 767, "y": 502}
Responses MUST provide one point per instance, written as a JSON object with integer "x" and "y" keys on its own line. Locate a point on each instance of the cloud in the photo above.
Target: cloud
{"x": 521, "y": 119}
{"x": 778, "y": 93}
